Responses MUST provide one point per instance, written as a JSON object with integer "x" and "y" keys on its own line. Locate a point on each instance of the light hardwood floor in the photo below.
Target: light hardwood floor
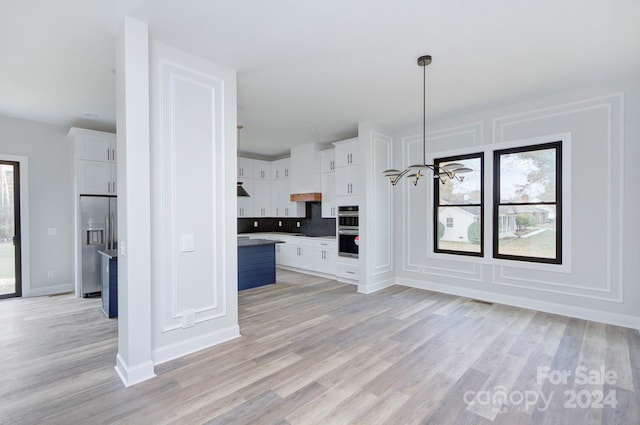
{"x": 315, "y": 351}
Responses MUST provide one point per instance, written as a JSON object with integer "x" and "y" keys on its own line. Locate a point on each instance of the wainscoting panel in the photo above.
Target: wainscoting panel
{"x": 193, "y": 282}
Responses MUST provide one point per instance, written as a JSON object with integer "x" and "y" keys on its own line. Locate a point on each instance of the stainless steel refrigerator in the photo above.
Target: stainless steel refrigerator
{"x": 98, "y": 231}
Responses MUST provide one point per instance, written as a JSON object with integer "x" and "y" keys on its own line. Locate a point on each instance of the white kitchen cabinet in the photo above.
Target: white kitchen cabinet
{"x": 329, "y": 208}
{"x": 245, "y": 168}
{"x": 261, "y": 194}
{"x": 307, "y": 254}
{"x": 261, "y": 170}
{"x": 347, "y": 172}
{"x": 93, "y": 145}
{"x": 327, "y": 161}
{"x": 347, "y": 270}
{"x": 95, "y": 161}
{"x": 346, "y": 153}
{"x": 325, "y": 257}
{"x": 280, "y": 169}
{"x": 328, "y": 184}
{"x": 303, "y": 255}
{"x": 281, "y": 200}
{"x": 96, "y": 178}
{"x": 285, "y": 254}
{"x": 347, "y": 183}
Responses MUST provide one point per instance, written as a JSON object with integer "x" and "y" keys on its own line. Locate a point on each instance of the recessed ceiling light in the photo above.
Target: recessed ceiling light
{"x": 91, "y": 115}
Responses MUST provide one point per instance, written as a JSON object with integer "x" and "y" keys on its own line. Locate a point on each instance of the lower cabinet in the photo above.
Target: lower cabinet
{"x": 307, "y": 254}
{"x": 325, "y": 258}
{"x": 346, "y": 270}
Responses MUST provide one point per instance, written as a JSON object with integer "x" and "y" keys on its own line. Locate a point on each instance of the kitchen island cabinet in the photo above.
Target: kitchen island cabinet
{"x": 256, "y": 262}
{"x": 110, "y": 282}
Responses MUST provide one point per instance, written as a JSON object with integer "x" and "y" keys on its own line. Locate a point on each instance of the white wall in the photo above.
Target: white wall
{"x": 376, "y": 211}
{"x": 50, "y": 160}
{"x": 600, "y": 275}
{"x": 193, "y": 214}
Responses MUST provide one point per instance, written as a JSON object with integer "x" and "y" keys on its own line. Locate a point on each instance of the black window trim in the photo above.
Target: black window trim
{"x": 436, "y": 205}
{"x": 558, "y": 202}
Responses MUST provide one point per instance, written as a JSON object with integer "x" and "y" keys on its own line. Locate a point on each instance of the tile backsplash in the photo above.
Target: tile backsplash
{"x": 312, "y": 225}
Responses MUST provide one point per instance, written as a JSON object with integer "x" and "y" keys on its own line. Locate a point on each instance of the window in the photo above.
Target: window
{"x": 527, "y": 210}
{"x": 459, "y": 211}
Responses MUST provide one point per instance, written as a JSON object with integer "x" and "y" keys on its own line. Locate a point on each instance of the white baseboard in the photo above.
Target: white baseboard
{"x": 369, "y": 289}
{"x": 133, "y": 375}
{"x": 609, "y": 318}
{"x": 183, "y": 348}
{"x": 310, "y": 272}
{"x": 47, "y": 290}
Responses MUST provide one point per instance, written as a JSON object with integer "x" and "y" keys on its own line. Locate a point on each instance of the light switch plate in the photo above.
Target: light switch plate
{"x": 123, "y": 248}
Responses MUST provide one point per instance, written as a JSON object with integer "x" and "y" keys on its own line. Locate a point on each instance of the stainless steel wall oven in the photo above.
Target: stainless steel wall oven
{"x": 348, "y": 232}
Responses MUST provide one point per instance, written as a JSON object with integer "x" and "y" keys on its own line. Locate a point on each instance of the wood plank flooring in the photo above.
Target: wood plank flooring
{"x": 314, "y": 351}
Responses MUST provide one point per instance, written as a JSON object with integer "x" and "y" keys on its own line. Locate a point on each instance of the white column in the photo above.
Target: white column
{"x": 133, "y": 362}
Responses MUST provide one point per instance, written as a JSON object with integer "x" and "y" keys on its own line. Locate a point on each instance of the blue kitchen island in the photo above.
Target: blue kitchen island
{"x": 256, "y": 262}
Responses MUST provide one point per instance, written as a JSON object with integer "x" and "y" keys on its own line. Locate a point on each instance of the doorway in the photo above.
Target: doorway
{"x": 10, "y": 246}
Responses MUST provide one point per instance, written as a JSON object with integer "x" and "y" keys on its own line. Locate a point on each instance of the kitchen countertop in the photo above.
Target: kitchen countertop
{"x": 301, "y": 235}
{"x": 111, "y": 253}
{"x": 242, "y": 242}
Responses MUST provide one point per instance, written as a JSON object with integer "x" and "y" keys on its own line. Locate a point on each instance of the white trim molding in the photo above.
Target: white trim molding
{"x": 131, "y": 376}
{"x": 200, "y": 342}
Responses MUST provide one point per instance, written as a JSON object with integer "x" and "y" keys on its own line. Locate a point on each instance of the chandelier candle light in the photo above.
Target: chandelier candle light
{"x": 449, "y": 171}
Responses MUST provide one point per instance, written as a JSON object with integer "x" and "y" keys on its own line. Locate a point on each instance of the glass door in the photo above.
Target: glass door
{"x": 10, "y": 284}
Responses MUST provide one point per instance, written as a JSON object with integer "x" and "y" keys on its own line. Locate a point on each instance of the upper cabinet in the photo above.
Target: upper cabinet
{"x": 261, "y": 170}
{"x": 281, "y": 169}
{"x": 245, "y": 169}
{"x": 346, "y": 153}
{"x": 347, "y": 173}
{"x": 94, "y": 145}
{"x": 95, "y": 161}
{"x": 327, "y": 165}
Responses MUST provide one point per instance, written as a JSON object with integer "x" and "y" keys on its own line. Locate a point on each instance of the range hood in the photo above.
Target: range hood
{"x": 305, "y": 173}
{"x": 306, "y": 197}
{"x": 241, "y": 190}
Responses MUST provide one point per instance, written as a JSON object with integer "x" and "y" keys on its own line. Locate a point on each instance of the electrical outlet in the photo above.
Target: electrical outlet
{"x": 188, "y": 318}
{"x": 297, "y": 224}
{"x": 123, "y": 248}
{"x": 188, "y": 242}
{"x": 52, "y": 231}
{"x": 50, "y": 274}
{"x": 255, "y": 224}
{"x": 279, "y": 224}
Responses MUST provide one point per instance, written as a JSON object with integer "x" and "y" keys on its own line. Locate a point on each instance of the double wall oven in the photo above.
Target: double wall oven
{"x": 348, "y": 233}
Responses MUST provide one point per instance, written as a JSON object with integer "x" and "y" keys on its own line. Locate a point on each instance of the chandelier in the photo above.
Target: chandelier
{"x": 449, "y": 171}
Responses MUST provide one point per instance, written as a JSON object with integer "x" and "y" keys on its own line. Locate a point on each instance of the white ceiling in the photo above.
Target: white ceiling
{"x": 310, "y": 70}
